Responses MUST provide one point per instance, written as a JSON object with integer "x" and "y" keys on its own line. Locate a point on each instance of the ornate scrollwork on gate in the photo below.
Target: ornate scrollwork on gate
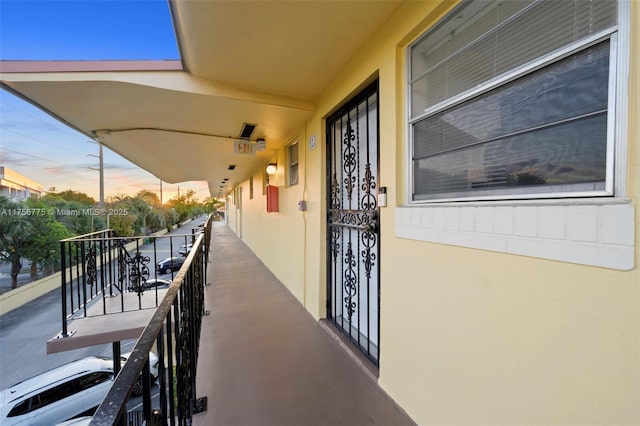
{"x": 138, "y": 271}
{"x": 335, "y": 245}
{"x": 335, "y": 192}
{"x": 353, "y": 218}
{"x": 185, "y": 391}
{"x": 350, "y": 282}
{"x": 369, "y": 240}
{"x": 92, "y": 270}
{"x": 349, "y": 159}
{"x": 368, "y": 201}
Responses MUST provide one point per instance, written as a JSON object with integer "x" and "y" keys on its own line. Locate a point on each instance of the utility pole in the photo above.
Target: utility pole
{"x": 101, "y": 170}
{"x": 101, "y": 176}
{"x": 160, "y": 191}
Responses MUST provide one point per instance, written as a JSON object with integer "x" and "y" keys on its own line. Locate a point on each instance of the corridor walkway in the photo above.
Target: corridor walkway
{"x": 265, "y": 361}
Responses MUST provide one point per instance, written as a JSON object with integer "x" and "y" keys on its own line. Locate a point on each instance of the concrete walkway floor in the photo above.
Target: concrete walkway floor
{"x": 265, "y": 361}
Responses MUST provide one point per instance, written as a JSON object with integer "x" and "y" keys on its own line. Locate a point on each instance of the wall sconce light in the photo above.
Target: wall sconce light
{"x": 272, "y": 168}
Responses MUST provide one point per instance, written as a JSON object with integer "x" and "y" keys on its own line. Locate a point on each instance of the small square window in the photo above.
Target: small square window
{"x": 292, "y": 155}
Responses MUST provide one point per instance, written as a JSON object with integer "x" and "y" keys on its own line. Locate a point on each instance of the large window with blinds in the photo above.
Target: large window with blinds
{"x": 514, "y": 99}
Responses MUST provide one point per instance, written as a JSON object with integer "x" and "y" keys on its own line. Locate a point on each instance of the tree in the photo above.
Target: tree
{"x": 43, "y": 246}
{"x": 80, "y": 197}
{"x": 186, "y": 205}
{"x": 124, "y": 219}
{"x": 171, "y": 217}
{"x": 212, "y": 205}
{"x": 150, "y": 197}
{"x": 69, "y": 207}
{"x": 155, "y": 220}
{"x": 207, "y": 203}
{"x": 15, "y": 232}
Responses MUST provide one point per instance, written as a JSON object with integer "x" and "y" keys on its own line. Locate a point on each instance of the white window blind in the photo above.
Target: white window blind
{"x": 541, "y": 131}
{"x": 488, "y": 38}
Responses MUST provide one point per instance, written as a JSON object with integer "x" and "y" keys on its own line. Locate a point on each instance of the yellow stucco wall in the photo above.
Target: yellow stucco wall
{"x": 467, "y": 336}
{"x": 276, "y": 238}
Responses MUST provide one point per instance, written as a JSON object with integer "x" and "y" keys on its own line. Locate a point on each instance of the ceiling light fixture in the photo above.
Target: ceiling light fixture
{"x": 272, "y": 168}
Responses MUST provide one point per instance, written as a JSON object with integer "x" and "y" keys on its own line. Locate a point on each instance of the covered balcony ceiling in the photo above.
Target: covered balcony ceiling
{"x": 257, "y": 62}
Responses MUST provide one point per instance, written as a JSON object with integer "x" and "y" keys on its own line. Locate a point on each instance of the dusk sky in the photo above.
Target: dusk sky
{"x": 43, "y": 149}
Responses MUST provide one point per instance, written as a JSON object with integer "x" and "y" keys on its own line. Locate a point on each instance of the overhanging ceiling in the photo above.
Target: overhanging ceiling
{"x": 295, "y": 48}
{"x": 261, "y": 62}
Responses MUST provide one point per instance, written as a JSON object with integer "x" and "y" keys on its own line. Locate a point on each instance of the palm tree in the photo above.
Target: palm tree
{"x": 15, "y": 232}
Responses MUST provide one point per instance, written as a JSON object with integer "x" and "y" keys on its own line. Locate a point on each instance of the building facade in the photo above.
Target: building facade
{"x": 498, "y": 301}
{"x": 17, "y": 187}
{"x": 460, "y": 198}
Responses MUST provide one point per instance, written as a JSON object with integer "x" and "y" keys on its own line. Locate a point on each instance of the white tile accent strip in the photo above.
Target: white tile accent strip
{"x": 591, "y": 234}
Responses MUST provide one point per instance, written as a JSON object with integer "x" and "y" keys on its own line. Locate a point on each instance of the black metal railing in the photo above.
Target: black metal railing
{"x": 174, "y": 329}
{"x": 100, "y": 271}
{"x": 101, "y": 266}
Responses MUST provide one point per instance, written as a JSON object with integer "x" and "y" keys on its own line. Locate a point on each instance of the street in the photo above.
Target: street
{"x": 25, "y": 331}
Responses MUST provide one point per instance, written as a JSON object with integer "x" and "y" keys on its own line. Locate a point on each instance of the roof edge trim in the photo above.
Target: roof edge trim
{"x": 88, "y": 66}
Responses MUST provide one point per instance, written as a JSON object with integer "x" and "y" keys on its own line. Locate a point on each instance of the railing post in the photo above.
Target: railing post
{"x": 146, "y": 391}
{"x": 162, "y": 378}
{"x": 84, "y": 278}
{"x": 116, "y": 357}
{"x": 63, "y": 270}
{"x": 171, "y": 376}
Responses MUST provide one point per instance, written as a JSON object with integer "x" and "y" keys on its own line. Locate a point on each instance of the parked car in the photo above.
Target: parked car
{"x": 170, "y": 264}
{"x": 71, "y": 390}
{"x": 153, "y": 369}
{"x": 152, "y": 283}
{"x": 79, "y": 421}
{"x": 185, "y": 249}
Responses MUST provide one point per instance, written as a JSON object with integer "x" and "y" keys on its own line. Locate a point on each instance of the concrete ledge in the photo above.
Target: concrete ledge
{"x": 17, "y": 297}
{"x": 100, "y": 330}
{"x": 98, "y": 327}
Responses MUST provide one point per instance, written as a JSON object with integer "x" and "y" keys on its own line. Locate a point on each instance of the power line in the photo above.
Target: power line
{"x": 32, "y": 138}
{"x": 37, "y": 157}
{"x": 66, "y": 130}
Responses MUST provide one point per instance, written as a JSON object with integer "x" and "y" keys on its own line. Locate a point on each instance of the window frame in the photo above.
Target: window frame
{"x": 615, "y": 178}
{"x": 291, "y": 164}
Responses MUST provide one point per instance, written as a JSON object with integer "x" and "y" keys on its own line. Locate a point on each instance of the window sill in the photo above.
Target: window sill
{"x": 596, "y": 232}
{"x": 598, "y": 201}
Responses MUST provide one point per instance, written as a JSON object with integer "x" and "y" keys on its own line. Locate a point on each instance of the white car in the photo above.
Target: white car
{"x": 185, "y": 249}
{"x": 71, "y": 390}
{"x": 153, "y": 369}
{"x": 80, "y": 421}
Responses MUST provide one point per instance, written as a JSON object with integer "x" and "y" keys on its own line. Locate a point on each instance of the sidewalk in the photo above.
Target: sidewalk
{"x": 265, "y": 361}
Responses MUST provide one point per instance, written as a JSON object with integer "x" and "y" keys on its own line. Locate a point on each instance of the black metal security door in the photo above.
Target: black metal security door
{"x": 353, "y": 240}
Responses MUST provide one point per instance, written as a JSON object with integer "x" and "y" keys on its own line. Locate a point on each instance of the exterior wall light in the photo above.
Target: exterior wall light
{"x": 272, "y": 168}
